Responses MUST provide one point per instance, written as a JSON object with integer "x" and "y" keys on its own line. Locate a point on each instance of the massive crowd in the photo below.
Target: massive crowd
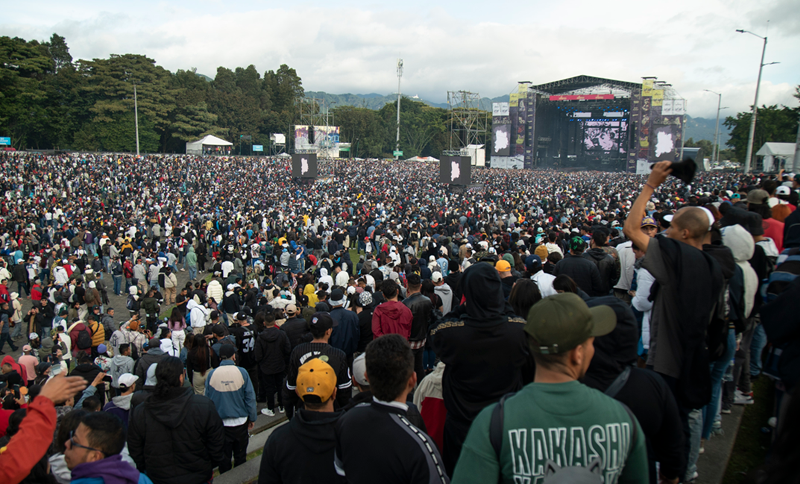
{"x": 576, "y": 324}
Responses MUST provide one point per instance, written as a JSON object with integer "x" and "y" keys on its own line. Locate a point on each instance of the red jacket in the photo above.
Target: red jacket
{"x": 73, "y": 334}
{"x": 30, "y": 443}
{"x": 392, "y": 317}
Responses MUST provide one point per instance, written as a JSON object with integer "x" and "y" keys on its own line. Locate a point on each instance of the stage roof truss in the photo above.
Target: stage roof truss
{"x": 584, "y": 82}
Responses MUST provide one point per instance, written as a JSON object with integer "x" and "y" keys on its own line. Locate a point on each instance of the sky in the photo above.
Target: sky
{"x": 485, "y": 47}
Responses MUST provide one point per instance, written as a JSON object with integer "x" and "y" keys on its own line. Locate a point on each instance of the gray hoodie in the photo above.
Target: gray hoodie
{"x": 119, "y": 364}
{"x": 446, "y": 294}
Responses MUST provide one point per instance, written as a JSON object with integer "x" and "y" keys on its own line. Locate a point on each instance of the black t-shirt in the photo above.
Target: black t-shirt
{"x": 332, "y": 356}
{"x": 245, "y": 346}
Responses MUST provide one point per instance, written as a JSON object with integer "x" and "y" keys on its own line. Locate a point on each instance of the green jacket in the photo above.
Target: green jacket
{"x": 568, "y": 423}
{"x": 150, "y": 306}
{"x": 191, "y": 257}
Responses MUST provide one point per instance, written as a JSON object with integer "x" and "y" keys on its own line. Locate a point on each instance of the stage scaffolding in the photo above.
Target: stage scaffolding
{"x": 469, "y": 125}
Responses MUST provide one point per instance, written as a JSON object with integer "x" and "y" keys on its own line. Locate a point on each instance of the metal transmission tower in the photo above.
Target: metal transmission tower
{"x": 469, "y": 125}
{"x": 399, "y": 76}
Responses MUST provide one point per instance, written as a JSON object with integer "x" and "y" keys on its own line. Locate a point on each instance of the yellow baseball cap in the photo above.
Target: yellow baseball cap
{"x": 316, "y": 381}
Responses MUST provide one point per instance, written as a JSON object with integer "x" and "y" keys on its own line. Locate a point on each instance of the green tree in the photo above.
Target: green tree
{"x": 23, "y": 68}
{"x": 194, "y": 122}
{"x": 772, "y": 124}
{"x": 110, "y": 86}
{"x": 362, "y": 128}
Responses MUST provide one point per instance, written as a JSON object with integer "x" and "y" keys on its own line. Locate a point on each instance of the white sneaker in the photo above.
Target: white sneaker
{"x": 742, "y": 399}
{"x": 281, "y": 409}
{"x": 267, "y": 412}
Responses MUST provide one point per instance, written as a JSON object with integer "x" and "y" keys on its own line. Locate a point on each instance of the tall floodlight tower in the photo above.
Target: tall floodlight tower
{"x": 399, "y": 75}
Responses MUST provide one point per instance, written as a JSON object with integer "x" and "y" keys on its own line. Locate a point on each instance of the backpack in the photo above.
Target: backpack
{"x": 132, "y": 304}
{"x": 783, "y": 275}
{"x": 84, "y": 341}
{"x": 553, "y": 473}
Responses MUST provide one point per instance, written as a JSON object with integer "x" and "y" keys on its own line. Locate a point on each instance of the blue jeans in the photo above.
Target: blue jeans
{"x": 695, "y": 429}
{"x": 192, "y": 273}
{"x": 106, "y": 261}
{"x": 117, "y": 284}
{"x": 711, "y": 411}
{"x": 756, "y": 348}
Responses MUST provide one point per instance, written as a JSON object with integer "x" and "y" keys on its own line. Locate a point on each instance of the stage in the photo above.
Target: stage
{"x": 587, "y": 123}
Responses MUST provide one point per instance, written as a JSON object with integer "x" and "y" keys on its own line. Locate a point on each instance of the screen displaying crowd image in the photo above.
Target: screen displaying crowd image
{"x": 604, "y": 135}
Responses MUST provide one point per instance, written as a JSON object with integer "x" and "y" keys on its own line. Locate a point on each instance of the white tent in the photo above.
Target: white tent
{"x": 770, "y": 151}
{"x": 428, "y": 159}
{"x": 197, "y": 147}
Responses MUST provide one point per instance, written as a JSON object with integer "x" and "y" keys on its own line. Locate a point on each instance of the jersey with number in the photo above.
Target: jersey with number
{"x": 245, "y": 346}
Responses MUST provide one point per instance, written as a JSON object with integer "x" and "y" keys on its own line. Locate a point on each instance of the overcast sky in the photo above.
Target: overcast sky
{"x": 352, "y": 47}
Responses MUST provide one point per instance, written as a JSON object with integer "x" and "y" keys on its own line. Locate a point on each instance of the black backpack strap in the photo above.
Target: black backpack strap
{"x": 634, "y": 426}
{"x": 618, "y": 383}
{"x": 496, "y": 430}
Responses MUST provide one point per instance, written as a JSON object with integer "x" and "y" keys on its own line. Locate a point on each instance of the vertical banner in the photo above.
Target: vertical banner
{"x": 519, "y": 136}
{"x": 530, "y": 134}
{"x": 633, "y": 128}
{"x": 513, "y": 110}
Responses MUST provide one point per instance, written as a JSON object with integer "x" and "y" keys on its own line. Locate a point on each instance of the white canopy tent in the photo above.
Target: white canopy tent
{"x": 208, "y": 141}
{"x": 781, "y": 151}
{"x": 428, "y": 159}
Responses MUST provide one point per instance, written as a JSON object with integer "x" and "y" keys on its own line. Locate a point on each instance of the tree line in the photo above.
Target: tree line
{"x": 50, "y": 101}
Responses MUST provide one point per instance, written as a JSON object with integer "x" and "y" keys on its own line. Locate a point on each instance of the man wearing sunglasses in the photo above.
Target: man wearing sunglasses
{"x": 93, "y": 452}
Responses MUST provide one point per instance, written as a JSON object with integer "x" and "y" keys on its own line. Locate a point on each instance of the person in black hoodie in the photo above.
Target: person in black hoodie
{"x": 295, "y": 327}
{"x": 604, "y": 262}
{"x": 272, "y": 355}
{"x": 302, "y": 450}
{"x": 175, "y": 436}
{"x": 485, "y": 351}
{"x": 453, "y": 279}
{"x": 643, "y": 391}
{"x": 88, "y": 371}
{"x": 583, "y": 271}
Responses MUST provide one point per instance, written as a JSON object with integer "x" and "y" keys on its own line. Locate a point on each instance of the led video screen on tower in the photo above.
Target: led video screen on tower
{"x": 501, "y": 139}
{"x": 601, "y": 135}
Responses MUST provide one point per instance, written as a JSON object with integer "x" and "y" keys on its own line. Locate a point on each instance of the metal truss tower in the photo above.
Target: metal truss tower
{"x": 469, "y": 125}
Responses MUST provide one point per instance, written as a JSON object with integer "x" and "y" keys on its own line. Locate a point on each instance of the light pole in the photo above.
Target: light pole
{"x": 715, "y": 148}
{"x": 399, "y": 75}
{"x": 755, "y": 103}
{"x": 135, "y": 113}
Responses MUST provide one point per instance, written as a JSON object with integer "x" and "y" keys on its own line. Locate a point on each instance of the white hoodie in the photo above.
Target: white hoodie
{"x": 197, "y": 314}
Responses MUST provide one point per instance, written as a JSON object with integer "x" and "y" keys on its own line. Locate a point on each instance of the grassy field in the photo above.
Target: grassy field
{"x": 750, "y": 449}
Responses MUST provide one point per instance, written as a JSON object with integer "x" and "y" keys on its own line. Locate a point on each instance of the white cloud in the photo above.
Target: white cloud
{"x": 476, "y": 47}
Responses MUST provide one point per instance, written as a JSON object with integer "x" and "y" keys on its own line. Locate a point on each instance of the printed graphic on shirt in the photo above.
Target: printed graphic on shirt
{"x": 567, "y": 447}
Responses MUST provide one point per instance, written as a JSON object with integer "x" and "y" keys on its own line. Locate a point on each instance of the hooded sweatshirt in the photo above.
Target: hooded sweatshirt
{"x": 111, "y": 470}
{"x": 197, "y": 314}
{"x": 446, "y": 293}
{"x": 485, "y": 350}
{"x": 302, "y": 451}
{"x": 120, "y": 406}
{"x": 177, "y": 438}
{"x": 741, "y": 244}
{"x": 645, "y": 393}
{"x": 392, "y": 317}
{"x": 120, "y": 364}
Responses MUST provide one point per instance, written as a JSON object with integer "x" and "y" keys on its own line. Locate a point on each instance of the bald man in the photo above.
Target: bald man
{"x": 687, "y": 288}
